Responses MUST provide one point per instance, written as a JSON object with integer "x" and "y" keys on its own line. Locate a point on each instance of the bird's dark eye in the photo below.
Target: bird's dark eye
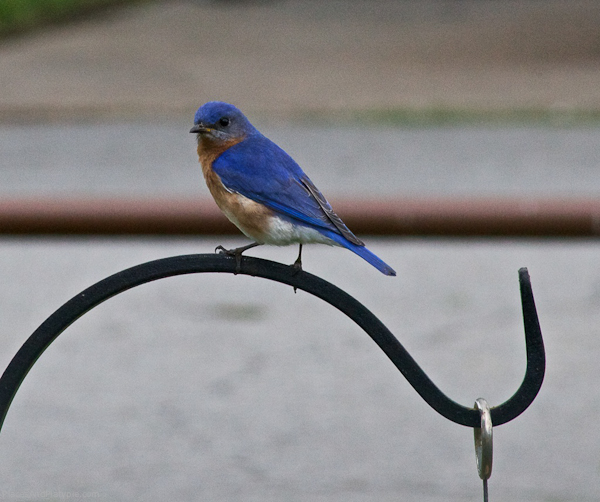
{"x": 224, "y": 121}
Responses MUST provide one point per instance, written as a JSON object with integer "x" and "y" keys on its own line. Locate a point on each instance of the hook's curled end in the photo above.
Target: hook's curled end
{"x": 536, "y": 358}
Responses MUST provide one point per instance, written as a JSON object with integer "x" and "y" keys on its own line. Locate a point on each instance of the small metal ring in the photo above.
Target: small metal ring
{"x": 484, "y": 450}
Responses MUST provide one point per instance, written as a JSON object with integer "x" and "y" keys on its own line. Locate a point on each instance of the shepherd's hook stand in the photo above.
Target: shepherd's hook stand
{"x": 480, "y": 417}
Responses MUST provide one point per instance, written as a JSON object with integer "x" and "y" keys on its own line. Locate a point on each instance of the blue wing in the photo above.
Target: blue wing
{"x": 258, "y": 169}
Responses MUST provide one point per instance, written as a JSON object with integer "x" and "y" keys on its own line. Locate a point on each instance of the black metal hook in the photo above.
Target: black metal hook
{"x": 49, "y": 330}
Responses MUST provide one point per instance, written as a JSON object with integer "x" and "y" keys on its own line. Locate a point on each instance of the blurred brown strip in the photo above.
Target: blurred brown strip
{"x": 435, "y": 217}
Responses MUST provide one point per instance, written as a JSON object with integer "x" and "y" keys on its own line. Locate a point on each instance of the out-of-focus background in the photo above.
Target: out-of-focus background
{"x": 231, "y": 388}
{"x": 307, "y": 57}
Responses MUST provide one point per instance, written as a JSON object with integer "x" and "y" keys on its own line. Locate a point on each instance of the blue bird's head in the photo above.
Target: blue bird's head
{"x": 219, "y": 122}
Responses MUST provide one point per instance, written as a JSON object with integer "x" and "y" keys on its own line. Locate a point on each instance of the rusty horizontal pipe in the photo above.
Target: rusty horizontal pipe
{"x": 395, "y": 217}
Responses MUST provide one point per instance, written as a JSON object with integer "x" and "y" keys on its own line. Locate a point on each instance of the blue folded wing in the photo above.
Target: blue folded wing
{"x": 258, "y": 169}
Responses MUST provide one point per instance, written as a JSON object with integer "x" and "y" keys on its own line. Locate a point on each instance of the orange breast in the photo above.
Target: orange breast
{"x": 252, "y": 218}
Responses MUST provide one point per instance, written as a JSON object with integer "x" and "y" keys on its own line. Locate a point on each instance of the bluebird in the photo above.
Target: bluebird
{"x": 262, "y": 190}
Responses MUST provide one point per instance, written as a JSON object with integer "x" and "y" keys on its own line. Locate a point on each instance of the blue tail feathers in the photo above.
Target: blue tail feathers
{"x": 373, "y": 259}
{"x": 363, "y": 252}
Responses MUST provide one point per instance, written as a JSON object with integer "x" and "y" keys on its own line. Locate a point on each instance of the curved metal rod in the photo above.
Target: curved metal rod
{"x": 49, "y": 330}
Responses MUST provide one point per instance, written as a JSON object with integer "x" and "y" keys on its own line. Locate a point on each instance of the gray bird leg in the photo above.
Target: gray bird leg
{"x": 298, "y": 263}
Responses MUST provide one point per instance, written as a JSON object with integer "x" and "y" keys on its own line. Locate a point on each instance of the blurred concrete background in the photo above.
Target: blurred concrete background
{"x": 308, "y": 56}
{"x": 229, "y": 388}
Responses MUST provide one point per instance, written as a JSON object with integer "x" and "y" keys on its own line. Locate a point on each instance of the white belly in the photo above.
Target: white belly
{"x": 263, "y": 225}
{"x": 282, "y": 233}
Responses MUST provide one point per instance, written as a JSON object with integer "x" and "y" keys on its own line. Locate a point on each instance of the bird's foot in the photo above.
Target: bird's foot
{"x": 297, "y": 267}
{"x": 222, "y": 250}
{"x": 237, "y": 253}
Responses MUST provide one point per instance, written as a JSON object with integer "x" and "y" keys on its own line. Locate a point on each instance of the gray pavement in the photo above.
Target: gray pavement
{"x": 229, "y": 388}
{"x": 140, "y": 159}
{"x": 233, "y": 388}
{"x": 293, "y": 57}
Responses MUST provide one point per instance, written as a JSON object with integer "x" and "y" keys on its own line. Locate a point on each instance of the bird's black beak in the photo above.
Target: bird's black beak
{"x": 199, "y": 128}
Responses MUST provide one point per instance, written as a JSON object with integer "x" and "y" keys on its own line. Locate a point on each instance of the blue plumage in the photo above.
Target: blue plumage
{"x": 251, "y": 166}
{"x": 258, "y": 169}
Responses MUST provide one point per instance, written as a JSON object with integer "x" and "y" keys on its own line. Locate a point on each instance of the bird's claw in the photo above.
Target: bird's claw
{"x": 221, "y": 250}
{"x": 296, "y": 267}
{"x": 237, "y": 253}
